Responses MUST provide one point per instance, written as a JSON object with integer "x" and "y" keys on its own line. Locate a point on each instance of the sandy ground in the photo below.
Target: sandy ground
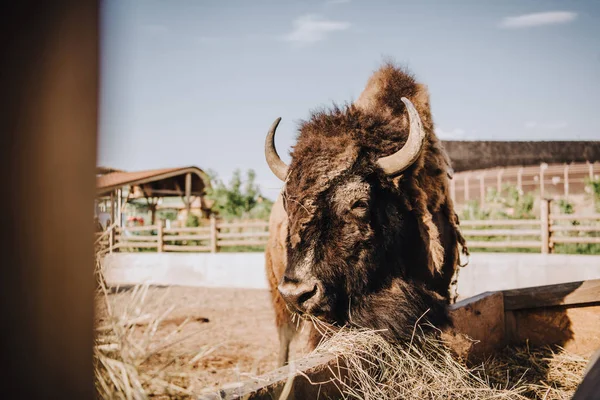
{"x": 230, "y": 334}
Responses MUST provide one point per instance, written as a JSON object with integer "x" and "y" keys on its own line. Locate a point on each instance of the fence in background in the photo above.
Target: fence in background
{"x": 541, "y": 234}
{"x": 217, "y": 236}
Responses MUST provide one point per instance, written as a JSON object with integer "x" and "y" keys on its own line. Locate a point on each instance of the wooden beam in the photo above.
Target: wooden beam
{"x": 311, "y": 379}
{"x": 589, "y": 388}
{"x": 188, "y": 191}
{"x": 48, "y": 125}
{"x": 481, "y": 319}
{"x": 573, "y": 293}
{"x": 545, "y": 225}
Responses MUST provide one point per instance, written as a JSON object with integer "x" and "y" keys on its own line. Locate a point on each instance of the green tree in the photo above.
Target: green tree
{"x": 238, "y": 199}
{"x": 593, "y": 185}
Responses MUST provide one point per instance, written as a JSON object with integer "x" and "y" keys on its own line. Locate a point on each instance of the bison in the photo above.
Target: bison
{"x": 364, "y": 231}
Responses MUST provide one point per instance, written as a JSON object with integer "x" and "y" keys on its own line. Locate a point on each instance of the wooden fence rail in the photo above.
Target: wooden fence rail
{"x": 534, "y": 234}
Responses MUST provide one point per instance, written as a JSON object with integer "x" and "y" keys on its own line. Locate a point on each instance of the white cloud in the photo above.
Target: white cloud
{"x": 547, "y": 126}
{"x": 538, "y": 19}
{"x": 313, "y": 28}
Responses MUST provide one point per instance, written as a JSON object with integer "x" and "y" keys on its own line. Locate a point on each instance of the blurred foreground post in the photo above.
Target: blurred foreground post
{"x": 48, "y": 125}
{"x": 545, "y": 224}
{"x": 213, "y": 234}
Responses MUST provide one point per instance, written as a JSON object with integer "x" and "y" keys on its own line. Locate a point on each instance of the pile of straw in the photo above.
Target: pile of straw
{"x": 426, "y": 369}
{"x": 422, "y": 369}
{"x": 127, "y": 346}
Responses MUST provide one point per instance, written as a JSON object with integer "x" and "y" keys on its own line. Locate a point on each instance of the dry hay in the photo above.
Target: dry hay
{"x": 425, "y": 368}
{"x": 128, "y": 363}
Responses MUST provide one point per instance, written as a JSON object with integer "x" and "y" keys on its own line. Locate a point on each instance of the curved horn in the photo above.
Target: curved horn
{"x": 408, "y": 154}
{"x": 278, "y": 167}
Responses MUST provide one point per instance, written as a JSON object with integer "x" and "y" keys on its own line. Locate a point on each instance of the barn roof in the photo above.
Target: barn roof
{"x": 474, "y": 155}
{"x": 156, "y": 182}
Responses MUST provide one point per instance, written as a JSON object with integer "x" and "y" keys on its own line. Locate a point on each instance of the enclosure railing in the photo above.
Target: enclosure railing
{"x": 540, "y": 235}
{"x": 543, "y": 234}
{"x": 218, "y": 236}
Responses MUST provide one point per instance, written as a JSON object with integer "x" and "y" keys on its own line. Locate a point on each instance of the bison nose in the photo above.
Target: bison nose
{"x": 300, "y": 295}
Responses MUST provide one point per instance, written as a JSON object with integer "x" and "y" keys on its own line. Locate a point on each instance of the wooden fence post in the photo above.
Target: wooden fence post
{"x": 111, "y": 238}
{"x": 545, "y": 225}
{"x": 213, "y": 234}
{"x": 159, "y": 237}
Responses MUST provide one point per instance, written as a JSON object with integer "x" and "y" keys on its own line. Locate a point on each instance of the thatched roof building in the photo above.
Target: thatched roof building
{"x": 474, "y": 155}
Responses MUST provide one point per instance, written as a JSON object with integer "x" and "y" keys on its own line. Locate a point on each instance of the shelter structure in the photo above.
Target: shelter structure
{"x": 552, "y": 169}
{"x": 114, "y": 188}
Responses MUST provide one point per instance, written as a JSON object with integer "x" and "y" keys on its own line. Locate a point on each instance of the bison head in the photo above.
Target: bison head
{"x": 351, "y": 229}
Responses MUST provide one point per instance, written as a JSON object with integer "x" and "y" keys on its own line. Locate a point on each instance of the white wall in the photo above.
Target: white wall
{"x": 485, "y": 272}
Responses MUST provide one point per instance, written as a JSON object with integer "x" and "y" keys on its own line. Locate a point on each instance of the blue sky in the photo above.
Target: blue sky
{"x": 200, "y": 82}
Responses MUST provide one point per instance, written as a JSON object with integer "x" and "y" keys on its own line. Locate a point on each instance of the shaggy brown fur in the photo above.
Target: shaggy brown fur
{"x": 384, "y": 250}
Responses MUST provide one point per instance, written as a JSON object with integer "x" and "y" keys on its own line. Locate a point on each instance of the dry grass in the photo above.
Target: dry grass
{"x": 127, "y": 347}
{"x": 130, "y": 362}
{"x": 426, "y": 369}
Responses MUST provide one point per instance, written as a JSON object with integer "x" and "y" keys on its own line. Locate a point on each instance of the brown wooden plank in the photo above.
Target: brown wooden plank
{"x": 193, "y": 230}
{"x": 48, "y": 136}
{"x": 242, "y": 235}
{"x": 319, "y": 369}
{"x": 581, "y": 292}
{"x": 173, "y": 238}
{"x": 138, "y": 228}
{"x": 501, "y": 232}
{"x": 579, "y": 239}
{"x": 223, "y": 243}
{"x": 500, "y": 222}
{"x": 506, "y": 244}
{"x": 137, "y": 238}
{"x": 576, "y": 228}
{"x": 170, "y": 247}
{"x": 589, "y": 388}
{"x": 478, "y": 326}
{"x": 575, "y": 328}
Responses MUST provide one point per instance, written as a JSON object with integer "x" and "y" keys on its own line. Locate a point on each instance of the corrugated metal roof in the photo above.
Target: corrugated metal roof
{"x": 115, "y": 180}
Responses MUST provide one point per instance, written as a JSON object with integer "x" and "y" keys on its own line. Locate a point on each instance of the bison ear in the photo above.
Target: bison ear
{"x": 367, "y": 101}
{"x": 421, "y": 98}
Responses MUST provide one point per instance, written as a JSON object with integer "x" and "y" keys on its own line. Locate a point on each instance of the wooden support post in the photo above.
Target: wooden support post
{"x": 213, "y": 234}
{"x": 48, "y": 135}
{"x": 111, "y": 238}
{"x": 520, "y": 180}
{"x": 119, "y": 208}
{"x": 466, "y": 187}
{"x": 566, "y": 183}
{"x": 188, "y": 192}
{"x": 112, "y": 207}
{"x": 590, "y": 169}
{"x": 160, "y": 237}
{"x": 545, "y": 225}
{"x": 543, "y": 167}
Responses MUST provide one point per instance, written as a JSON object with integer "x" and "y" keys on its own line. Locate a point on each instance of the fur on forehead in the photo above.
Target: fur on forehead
{"x": 323, "y": 170}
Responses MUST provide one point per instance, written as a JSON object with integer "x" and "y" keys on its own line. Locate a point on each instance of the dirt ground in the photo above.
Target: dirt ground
{"x": 230, "y": 334}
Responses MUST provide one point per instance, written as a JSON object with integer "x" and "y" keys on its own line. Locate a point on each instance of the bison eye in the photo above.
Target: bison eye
{"x": 360, "y": 207}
